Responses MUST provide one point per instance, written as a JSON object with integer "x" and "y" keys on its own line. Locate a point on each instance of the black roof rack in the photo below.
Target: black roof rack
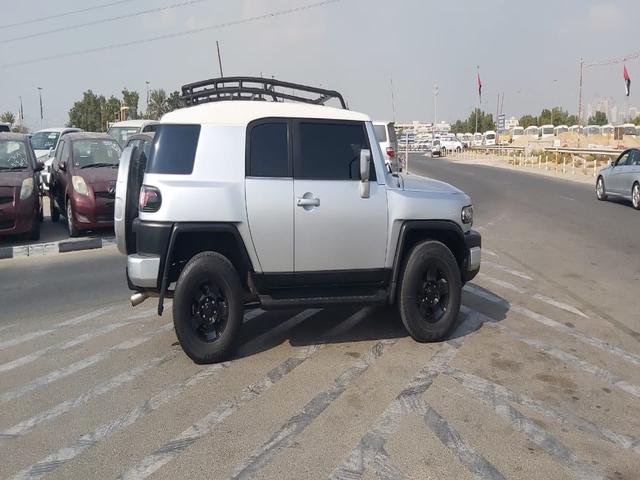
{"x": 255, "y": 88}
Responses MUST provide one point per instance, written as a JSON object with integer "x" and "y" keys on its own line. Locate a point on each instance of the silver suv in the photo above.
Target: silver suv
{"x": 273, "y": 204}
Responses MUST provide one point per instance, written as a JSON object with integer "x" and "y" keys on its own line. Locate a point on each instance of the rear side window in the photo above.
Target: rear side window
{"x": 381, "y": 132}
{"x": 269, "y": 150}
{"x": 331, "y": 151}
{"x": 174, "y": 149}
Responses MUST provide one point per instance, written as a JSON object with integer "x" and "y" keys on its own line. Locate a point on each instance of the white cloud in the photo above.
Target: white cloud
{"x": 606, "y": 17}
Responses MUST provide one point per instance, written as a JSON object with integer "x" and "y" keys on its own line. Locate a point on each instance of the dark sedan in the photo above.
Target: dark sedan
{"x": 83, "y": 181}
{"x": 20, "y": 202}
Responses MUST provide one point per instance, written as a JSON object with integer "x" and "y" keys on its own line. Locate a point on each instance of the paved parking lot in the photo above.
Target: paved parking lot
{"x": 539, "y": 380}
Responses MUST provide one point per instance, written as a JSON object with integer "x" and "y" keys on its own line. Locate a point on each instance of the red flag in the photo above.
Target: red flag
{"x": 627, "y": 81}
{"x": 479, "y": 86}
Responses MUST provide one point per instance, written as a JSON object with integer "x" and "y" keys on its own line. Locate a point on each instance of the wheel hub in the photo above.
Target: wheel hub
{"x": 431, "y": 293}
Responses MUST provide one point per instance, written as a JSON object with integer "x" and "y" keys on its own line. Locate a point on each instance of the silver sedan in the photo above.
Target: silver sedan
{"x": 621, "y": 178}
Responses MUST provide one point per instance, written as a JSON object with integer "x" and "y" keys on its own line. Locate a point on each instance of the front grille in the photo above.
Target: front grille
{"x": 106, "y": 195}
{"x": 6, "y": 199}
{"x": 6, "y": 225}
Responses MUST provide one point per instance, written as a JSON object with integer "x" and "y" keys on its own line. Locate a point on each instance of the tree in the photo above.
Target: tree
{"x": 158, "y": 104}
{"x": 8, "y": 117}
{"x": 527, "y": 120}
{"x": 130, "y": 99}
{"x": 87, "y": 113}
{"x": 20, "y": 129}
{"x": 636, "y": 120}
{"x": 599, "y": 118}
{"x": 174, "y": 102}
{"x": 572, "y": 120}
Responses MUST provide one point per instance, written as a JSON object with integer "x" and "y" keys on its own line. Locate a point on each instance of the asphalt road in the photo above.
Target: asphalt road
{"x": 540, "y": 380}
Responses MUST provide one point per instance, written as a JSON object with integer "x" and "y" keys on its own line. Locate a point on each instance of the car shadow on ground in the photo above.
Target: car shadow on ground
{"x": 377, "y": 323}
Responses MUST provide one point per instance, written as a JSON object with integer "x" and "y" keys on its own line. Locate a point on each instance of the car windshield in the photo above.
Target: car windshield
{"x": 13, "y": 155}
{"x": 44, "y": 140}
{"x": 122, "y": 134}
{"x": 96, "y": 153}
{"x": 491, "y": 136}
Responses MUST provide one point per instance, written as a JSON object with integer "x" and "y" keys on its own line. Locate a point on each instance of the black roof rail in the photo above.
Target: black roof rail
{"x": 255, "y": 88}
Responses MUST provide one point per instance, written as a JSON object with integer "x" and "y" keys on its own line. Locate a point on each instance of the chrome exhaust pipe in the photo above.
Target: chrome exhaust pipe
{"x": 138, "y": 298}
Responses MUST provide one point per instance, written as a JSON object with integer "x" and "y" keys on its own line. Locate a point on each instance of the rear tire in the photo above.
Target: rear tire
{"x": 55, "y": 213}
{"x": 430, "y": 292}
{"x": 635, "y": 195}
{"x": 208, "y": 308}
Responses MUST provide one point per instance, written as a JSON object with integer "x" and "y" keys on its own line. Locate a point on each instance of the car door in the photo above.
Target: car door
{"x": 630, "y": 172}
{"x": 55, "y": 180}
{"x": 616, "y": 178}
{"x": 63, "y": 176}
{"x": 269, "y": 193}
{"x": 334, "y": 228}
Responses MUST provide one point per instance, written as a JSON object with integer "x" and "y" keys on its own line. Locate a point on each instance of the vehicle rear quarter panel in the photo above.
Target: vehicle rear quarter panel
{"x": 215, "y": 191}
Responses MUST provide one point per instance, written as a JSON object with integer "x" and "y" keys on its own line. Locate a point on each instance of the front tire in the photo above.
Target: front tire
{"x": 635, "y": 196}
{"x": 73, "y": 230}
{"x": 208, "y": 308}
{"x": 430, "y": 292}
{"x": 601, "y": 193}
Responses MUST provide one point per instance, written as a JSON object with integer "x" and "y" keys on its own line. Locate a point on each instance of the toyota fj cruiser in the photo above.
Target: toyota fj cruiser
{"x": 245, "y": 202}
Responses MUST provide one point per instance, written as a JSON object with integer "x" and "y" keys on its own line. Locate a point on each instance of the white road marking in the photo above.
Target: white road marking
{"x": 510, "y": 271}
{"x": 537, "y": 296}
{"x": 176, "y": 446}
{"x": 51, "y": 462}
{"x": 66, "y": 406}
{"x": 64, "y": 372}
{"x": 489, "y": 252}
{"x": 67, "y": 323}
{"x": 548, "y": 322}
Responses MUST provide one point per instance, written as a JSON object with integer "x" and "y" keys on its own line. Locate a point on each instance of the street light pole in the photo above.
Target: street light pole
{"x": 41, "y": 110}
{"x": 147, "y": 82}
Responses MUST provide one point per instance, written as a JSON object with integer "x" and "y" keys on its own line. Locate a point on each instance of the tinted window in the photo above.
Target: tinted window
{"x": 331, "y": 151}
{"x": 150, "y": 128}
{"x": 634, "y": 157}
{"x": 4, "y": 128}
{"x": 64, "y": 155}
{"x": 381, "y": 132}
{"x": 269, "y": 150}
{"x": 174, "y": 149}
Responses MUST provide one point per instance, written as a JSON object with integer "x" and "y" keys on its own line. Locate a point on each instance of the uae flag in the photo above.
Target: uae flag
{"x": 627, "y": 81}
{"x": 480, "y": 86}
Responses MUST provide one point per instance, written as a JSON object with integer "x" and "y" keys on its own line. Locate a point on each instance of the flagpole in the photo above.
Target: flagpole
{"x": 580, "y": 101}
{"x": 41, "y": 110}
{"x": 479, "y": 97}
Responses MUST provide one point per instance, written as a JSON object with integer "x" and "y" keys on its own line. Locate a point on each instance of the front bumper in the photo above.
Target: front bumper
{"x": 473, "y": 245}
{"x": 92, "y": 213}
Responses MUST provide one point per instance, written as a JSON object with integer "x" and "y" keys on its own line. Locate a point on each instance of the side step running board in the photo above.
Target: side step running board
{"x": 269, "y": 303}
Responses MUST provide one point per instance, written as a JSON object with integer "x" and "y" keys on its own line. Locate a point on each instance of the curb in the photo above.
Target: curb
{"x": 63, "y": 246}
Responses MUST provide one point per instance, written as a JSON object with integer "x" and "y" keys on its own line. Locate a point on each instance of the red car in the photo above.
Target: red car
{"x": 20, "y": 202}
{"x": 83, "y": 181}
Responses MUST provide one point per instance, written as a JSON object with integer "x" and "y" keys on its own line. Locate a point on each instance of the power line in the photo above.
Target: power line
{"x": 65, "y": 14}
{"x": 614, "y": 61}
{"x": 104, "y": 20}
{"x": 173, "y": 35}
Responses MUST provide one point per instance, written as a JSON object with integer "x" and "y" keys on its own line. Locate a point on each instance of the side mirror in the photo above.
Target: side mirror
{"x": 52, "y": 152}
{"x": 610, "y": 163}
{"x": 365, "y": 171}
{"x": 62, "y": 166}
{"x": 39, "y": 165}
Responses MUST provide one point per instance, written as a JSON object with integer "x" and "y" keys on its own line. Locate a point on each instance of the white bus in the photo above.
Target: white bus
{"x": 629, "y": 129}
{"x": 546, "y": 131}
{"x": 477, "y": 139}
{"x": 575, "y": 129}
{"x": 560, "y": 129}
{"x": 517, "y": 132}
{"x": 608, "y": 129}
{"x": 592, "y": 130}
{"x": 532, "y": 131}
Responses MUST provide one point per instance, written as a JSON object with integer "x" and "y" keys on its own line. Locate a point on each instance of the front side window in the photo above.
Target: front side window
{"x": 269, "y": 150}
{"x": 331, "y": 151}
{"x": 96, "y": 153}
{"x": 622, "y": 161}
{"x": 13, "y": 155}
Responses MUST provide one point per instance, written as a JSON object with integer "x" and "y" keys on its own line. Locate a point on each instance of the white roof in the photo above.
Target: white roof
{"x": 133, "y": 123}
{"x": 59, "y": 129}
{"x": 242, "y": 112}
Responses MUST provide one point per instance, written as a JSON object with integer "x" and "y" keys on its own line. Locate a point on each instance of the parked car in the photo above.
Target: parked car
{"x": 621, "y": 178}
{"x": 436, "y": 149}
{"x": 451, "y": 144}
{"x": 299, "y": 211}
{"x": 83, "y": 181}
{"x": 20, "y": 201}
{"x": 121, "y": 131}
{"x": 477, "y": 139}
{"x": 5, "y": 127}
{"x": 386, "y": 135}
{"x": 45, "y": 143}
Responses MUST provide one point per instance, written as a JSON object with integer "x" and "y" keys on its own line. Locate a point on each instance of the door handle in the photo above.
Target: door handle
{"x": 308, "y": 202}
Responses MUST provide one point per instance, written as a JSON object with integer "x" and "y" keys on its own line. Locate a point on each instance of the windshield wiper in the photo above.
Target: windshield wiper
{"x": 98, "y": 165}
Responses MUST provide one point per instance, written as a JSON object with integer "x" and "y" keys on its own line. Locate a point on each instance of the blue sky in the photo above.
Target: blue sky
{"x": 528, "y": 50}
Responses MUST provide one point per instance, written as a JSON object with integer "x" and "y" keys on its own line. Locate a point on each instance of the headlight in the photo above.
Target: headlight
{"x": 467, "y": 215}
{"x": 79, "y": 185}
{"x": 27, "y": 188}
